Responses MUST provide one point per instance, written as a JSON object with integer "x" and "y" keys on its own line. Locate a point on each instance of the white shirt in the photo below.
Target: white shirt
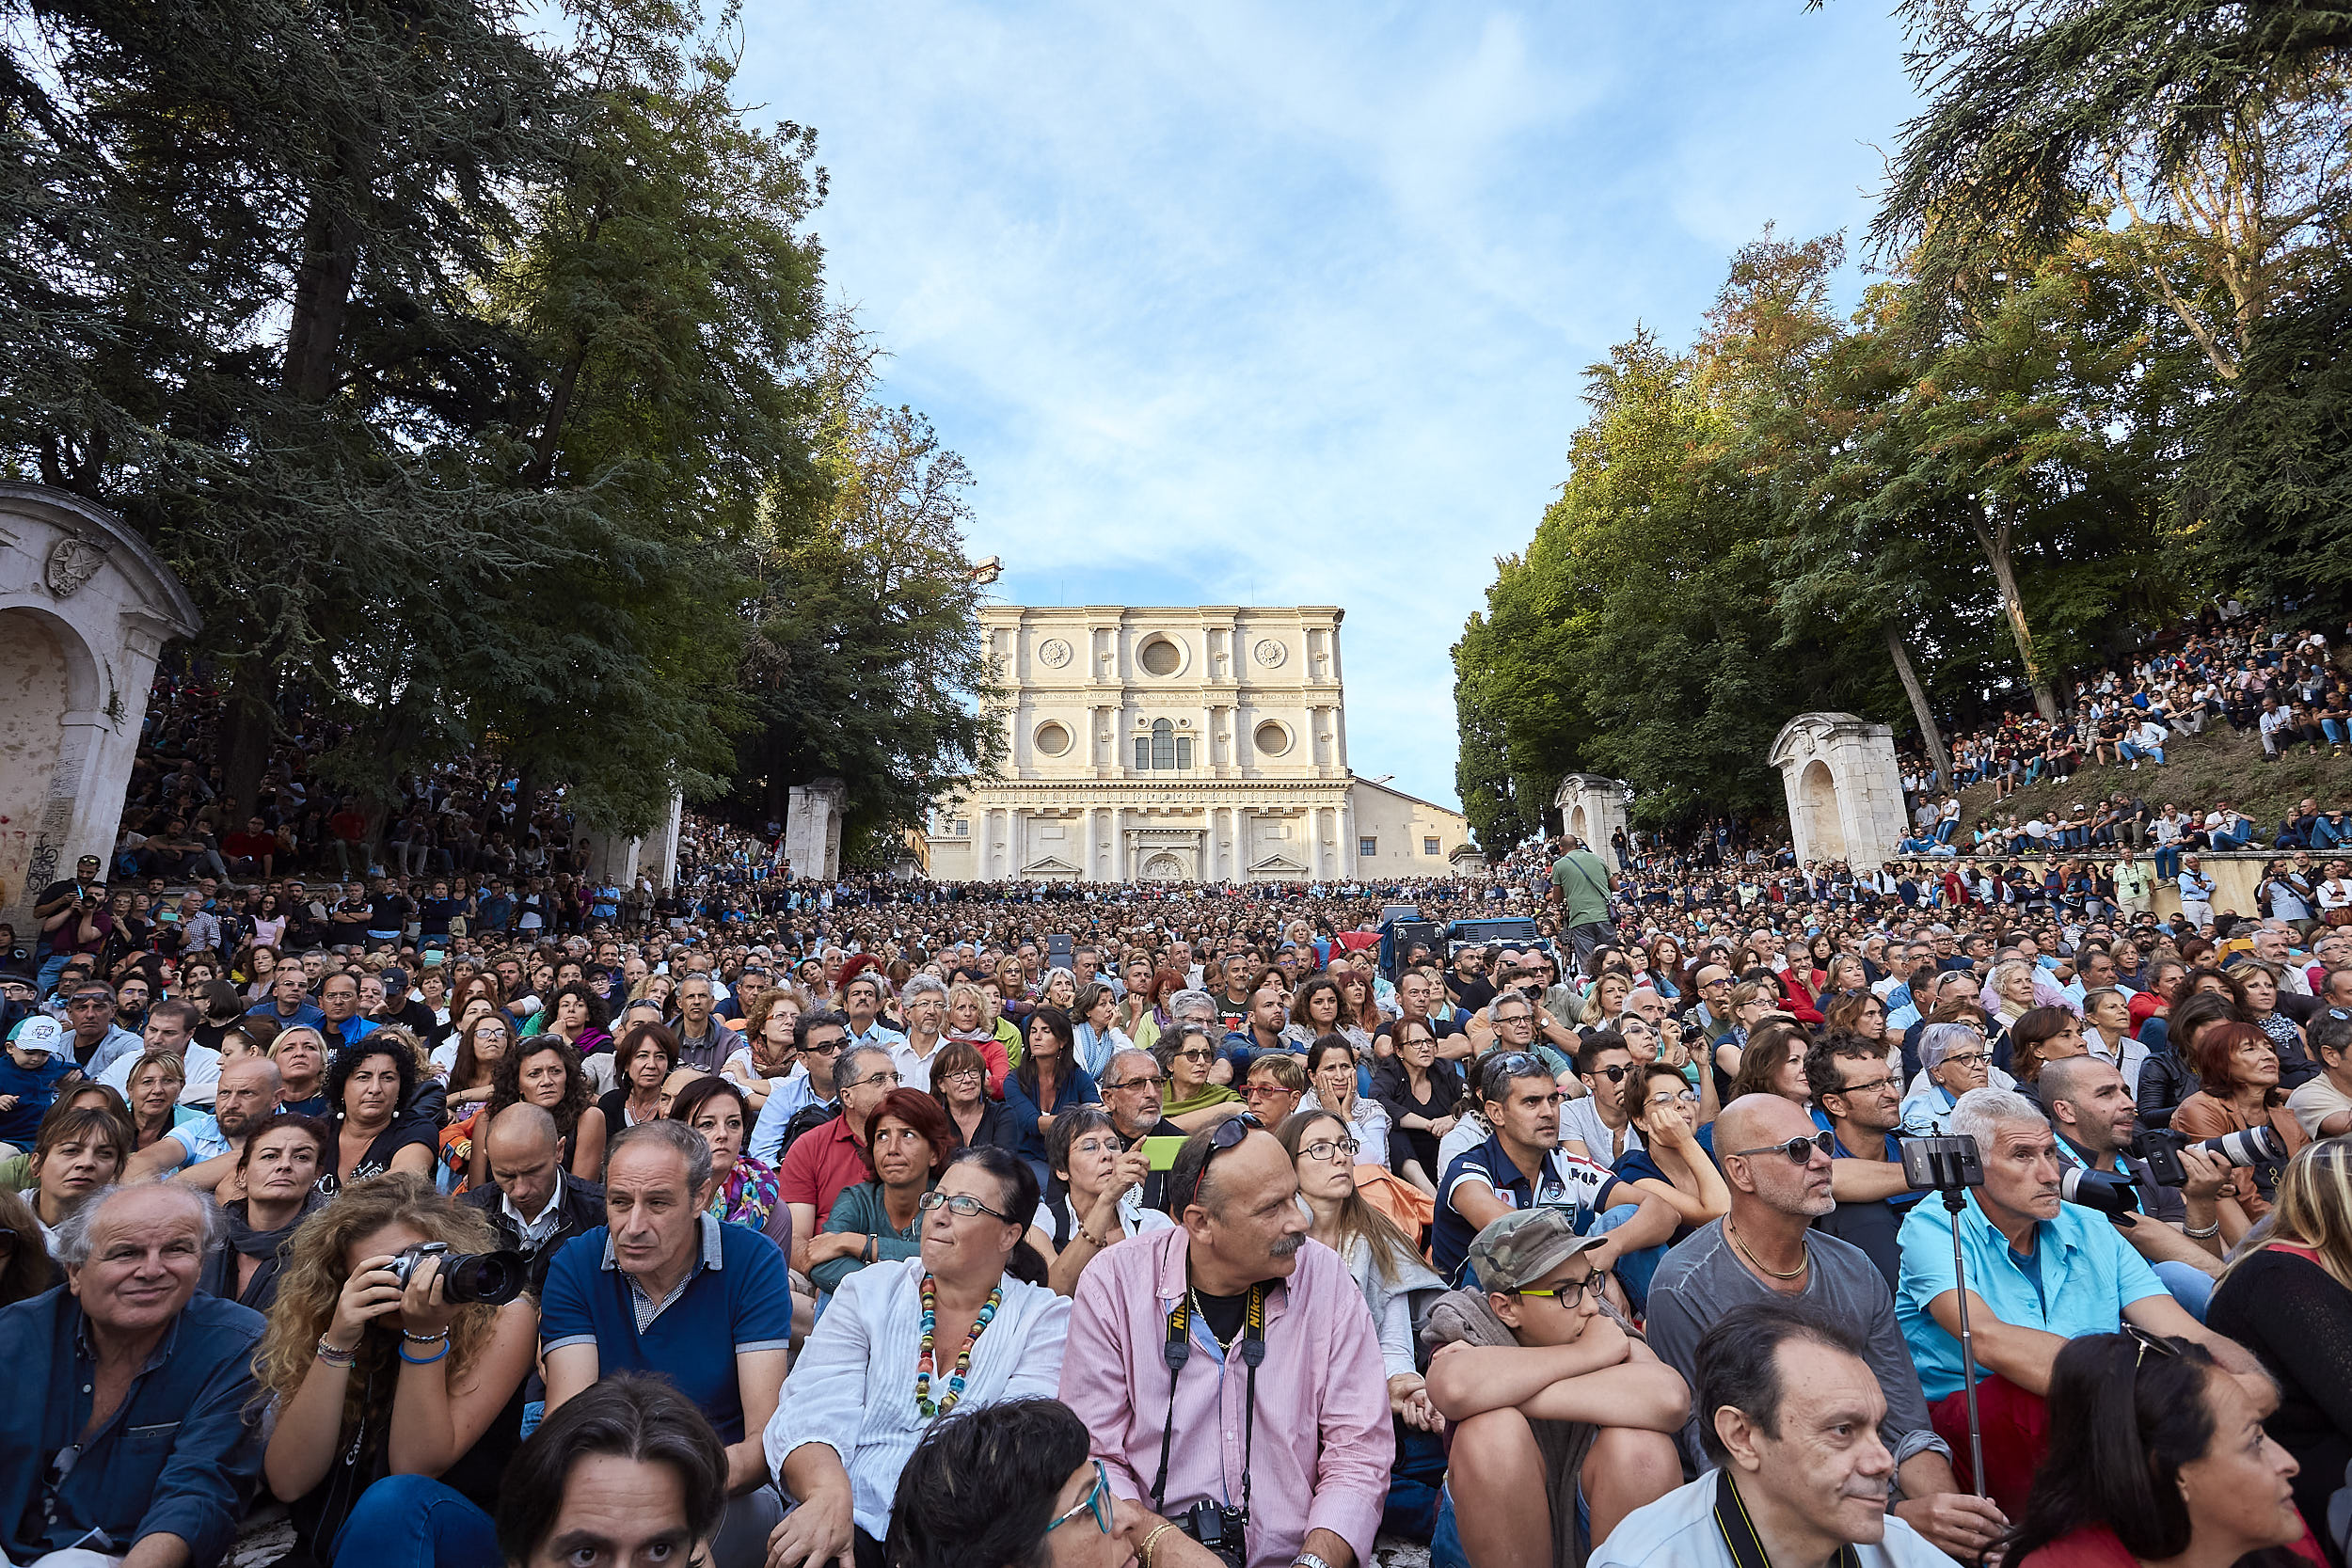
{"x": 535, "y": 1229}
{"x": 915, "y": 1073}
{"x": 203, "y": 1065}
{"x": 1678, "y": 1531}
{"x": 852, "y": 1388}
{"x": 1580, "y": 1120}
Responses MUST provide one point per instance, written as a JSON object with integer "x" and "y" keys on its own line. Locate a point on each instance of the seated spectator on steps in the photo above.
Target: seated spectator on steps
{"x": 1765, "y": 1251}
{"x": 1956, "y": 1060}
{"x": 2238, "y": 1066}
{"x": 1789, "y": 1413}
{"x": 2158, "y": 1455}
{"x": 394, "y": 1412}
{"x": 2039, "y": 1273}
{"x": 2288, "y": 1299}
{"x": 2182, "y": 1231}
{"x": 1563, "y": 1421}
{"x": 663, "y": 1287}
{"x": 277, "y": 1174}
{"x": 139, "y": 1383}
{"x": 965, "y": 1322}
{"x": 628, "y": 1472}
{"x": 535, "y": 1204}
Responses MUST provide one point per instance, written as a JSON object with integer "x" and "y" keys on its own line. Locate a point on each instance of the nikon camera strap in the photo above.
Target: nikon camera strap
{"x": 1178, "y": 1350}
{"x": 1739, "y": 1531}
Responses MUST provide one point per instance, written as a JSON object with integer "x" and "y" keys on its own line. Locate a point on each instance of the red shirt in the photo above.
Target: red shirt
{"x": 2097, "y": 1547}
{"x": 820, "y": 1165}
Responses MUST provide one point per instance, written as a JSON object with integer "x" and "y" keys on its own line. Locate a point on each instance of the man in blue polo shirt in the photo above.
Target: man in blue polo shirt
{"x": 1858, "y": 1097}
{"x": 664, "y": 1288}
{"x": 1520, "y": 1166}
{"x": 2039, "y": 1273}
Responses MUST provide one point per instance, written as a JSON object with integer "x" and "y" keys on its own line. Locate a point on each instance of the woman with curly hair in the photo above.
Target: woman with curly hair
{"x": 546, "y": 1071}
{"x": 395, "y": 1412}
{"x": 369, "y": 1089}
{"x": 578, "y": 1014}
{"x": 1360, "y": 1018}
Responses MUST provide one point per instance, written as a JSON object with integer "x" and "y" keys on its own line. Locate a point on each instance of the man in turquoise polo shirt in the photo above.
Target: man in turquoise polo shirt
{"x": 664, "y": 1288}
{"x": 2039, "y": 1273}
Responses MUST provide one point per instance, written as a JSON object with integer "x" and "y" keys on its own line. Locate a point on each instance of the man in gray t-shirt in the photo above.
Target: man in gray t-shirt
{"x": 1765, "y": 1250}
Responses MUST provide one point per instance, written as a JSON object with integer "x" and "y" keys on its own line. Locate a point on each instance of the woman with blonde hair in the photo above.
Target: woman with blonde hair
{"x": 972, "y": 1020}
{"x": 2289, "y": 1300}
{"x": 395, "y": 1412}
{"x": 151, "y": 1089}
{"x": 299, "y": 1053}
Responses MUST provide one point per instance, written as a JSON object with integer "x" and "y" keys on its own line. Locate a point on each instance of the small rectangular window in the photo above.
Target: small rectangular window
{"x": 1367, "y": 847}
{"x": 1183, "y": 750}
{"x": 964, "y": 827}
{"x": 1428, "y": 845}
{"x": 1143, "y": 753}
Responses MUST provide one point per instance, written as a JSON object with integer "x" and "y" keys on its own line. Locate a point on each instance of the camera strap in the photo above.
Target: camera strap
{"x": 1177, "y": 1351}
{"x": 1739, "y": 1531}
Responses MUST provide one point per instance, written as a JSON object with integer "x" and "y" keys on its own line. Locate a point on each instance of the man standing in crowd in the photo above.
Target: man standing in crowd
{"x": 1766, "y": 1250}
{"x": 1789, "y": 1413}
{"x": 1296, "y": 1439}
{"x": 1581, "y": 884}
{"x": 532, "y": 1200}
{"x": 128, "y": 1435}
{"x": 663, "y": 1287}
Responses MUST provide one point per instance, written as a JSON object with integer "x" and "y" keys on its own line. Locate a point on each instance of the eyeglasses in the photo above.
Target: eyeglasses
{"x": 962, "y": 1204}
{"x": 1570, "y": 1291}
{"x": 1226, "y": 1134}
{"x": 2146, "y": 1342}
{"x": 1871, "y": 1087}
{"x": 1328, "y": 1149}
{"x": 887, "y": 1076}
{"x": 1149, "y": 1080}
{"x": 1799, "y": 1150}
{"x": 1967, "y": 1058}
{"x": 1202, "y": 1054}
{"x": 1614, "y": 1074}
{"x": 1097, "y": 1501}
{"x": 1687, "y": 1097}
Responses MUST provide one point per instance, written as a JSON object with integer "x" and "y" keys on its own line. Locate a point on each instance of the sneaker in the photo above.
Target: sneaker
{"x": 2135, "y": 764}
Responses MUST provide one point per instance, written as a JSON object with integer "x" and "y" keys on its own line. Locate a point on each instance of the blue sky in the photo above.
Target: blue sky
{"x": 1287, "y": 304}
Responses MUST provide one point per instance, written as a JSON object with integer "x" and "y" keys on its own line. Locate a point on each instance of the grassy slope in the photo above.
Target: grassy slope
{"x": 2202, "y": 770}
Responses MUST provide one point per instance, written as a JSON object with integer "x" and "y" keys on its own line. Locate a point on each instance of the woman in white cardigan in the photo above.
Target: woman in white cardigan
{"x": 967, "y": 1322}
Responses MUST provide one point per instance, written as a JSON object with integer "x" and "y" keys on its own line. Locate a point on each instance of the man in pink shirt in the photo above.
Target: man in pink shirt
{"x": 1291, "y": 1452}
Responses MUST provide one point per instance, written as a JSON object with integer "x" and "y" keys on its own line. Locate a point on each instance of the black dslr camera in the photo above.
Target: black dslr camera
{"x": 2250, "y": 1146}
{"x": 1218, "y": 1527}
{"x": 493, "y": 1279}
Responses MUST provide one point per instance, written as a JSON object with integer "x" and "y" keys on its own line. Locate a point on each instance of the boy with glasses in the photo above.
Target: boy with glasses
{"x": 1563, "y": 1419}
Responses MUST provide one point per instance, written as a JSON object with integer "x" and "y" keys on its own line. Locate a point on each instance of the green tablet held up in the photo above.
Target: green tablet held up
{"x": 1161, "y": 1152}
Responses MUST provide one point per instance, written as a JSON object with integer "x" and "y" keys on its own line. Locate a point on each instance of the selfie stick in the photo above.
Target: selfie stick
{"x": 1956, "y": 1199}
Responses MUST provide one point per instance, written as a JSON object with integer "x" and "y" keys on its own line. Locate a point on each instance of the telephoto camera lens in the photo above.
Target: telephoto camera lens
{"x": 494, "y": 1278}
{"x": 2094, "y": 1188}
{"x": 2253, "y": 1146}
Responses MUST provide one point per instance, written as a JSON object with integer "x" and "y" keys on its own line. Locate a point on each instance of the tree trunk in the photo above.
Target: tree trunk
{"x": 1995, "y": 542}
{"x": 246, "y": 730}
{"x": 321, "y": 299}
{"x": 1919, "y": 709}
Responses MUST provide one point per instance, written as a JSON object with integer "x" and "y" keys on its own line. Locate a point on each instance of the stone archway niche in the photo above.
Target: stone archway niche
{"x": 1845, "y": 790}
{"x": 1592, "y": 806}
{"x": 85, "y": 609}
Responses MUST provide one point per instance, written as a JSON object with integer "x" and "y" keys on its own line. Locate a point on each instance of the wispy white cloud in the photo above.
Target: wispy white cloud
{"x": 1291, "y": 303}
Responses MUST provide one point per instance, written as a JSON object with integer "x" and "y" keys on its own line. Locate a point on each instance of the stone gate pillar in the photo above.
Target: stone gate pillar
{"x": 85, "y": 609}
{"x": 812, "y": 828}
{"x": 1845, "y": 790}
{"x": 1592, "y": 806}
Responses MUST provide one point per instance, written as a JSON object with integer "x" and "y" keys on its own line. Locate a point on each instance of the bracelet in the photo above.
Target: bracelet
{"x": 1089, "y": 1238}
{"x": 1143, "y": 1553}
{"x": 2196, "y": 1235}
{"x": 424, "y": 1338}
{"x": 334, "y": 1357}
{"x": 422, "y": 1360}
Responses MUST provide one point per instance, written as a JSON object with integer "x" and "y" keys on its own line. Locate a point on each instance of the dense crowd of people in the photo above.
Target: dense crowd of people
{"x": 891, "y": 1221}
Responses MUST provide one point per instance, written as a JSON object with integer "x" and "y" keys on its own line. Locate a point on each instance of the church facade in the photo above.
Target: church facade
{"x": 1204, "y": 743}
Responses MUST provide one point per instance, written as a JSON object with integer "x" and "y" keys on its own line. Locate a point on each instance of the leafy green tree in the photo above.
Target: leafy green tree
{"x": 865, "y": 660}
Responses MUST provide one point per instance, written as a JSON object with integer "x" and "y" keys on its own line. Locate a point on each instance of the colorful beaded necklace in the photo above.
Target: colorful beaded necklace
{"x": 926, "y": 1361}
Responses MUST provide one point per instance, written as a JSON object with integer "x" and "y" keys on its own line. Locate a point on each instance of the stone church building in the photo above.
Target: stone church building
{"x": 1194, "y": 744}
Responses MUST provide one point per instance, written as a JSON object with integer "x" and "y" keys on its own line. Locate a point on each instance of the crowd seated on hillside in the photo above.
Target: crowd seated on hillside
{"x": 898, "y": 1222}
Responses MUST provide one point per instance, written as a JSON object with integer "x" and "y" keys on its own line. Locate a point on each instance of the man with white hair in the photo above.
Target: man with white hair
{"x": 2041, "y": 1272}
{"x": 126, "y": 1439}
{"x": 924, "y": 1001}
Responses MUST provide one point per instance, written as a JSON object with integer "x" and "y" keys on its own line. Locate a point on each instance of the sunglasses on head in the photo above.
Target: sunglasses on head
{"x": 1799, "y": 1150}
{"x": 1226, "y": 1134}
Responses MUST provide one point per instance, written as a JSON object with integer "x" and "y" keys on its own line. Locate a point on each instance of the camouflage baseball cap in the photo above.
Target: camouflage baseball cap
{"x": 1525, "y": 1245}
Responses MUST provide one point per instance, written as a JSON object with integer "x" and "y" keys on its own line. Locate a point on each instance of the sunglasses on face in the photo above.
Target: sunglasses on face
{"x": 1614, "y": 1074}
{"x": 1198, "y": 1055}
{"x": 1800, "y": 1151}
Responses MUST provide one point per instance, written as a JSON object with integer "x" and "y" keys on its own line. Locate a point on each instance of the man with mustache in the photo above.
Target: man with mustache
{"x": 1271, "y": 1340}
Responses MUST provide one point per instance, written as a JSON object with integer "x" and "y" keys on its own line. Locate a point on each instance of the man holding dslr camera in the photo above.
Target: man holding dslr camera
{"x": 2177, "y": 1227}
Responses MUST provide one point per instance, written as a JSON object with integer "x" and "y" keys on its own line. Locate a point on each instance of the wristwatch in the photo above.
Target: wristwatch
{"x": 1311, "y": 1559}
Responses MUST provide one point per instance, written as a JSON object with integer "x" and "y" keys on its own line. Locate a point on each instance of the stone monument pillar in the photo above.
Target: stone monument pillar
{"x": 617, "y": 857}
{"x": 85, "y": 609}
{"x": 1592, "y": 806}
{"x": 812, "y": 828}
{"x": 1845, "y": 790}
